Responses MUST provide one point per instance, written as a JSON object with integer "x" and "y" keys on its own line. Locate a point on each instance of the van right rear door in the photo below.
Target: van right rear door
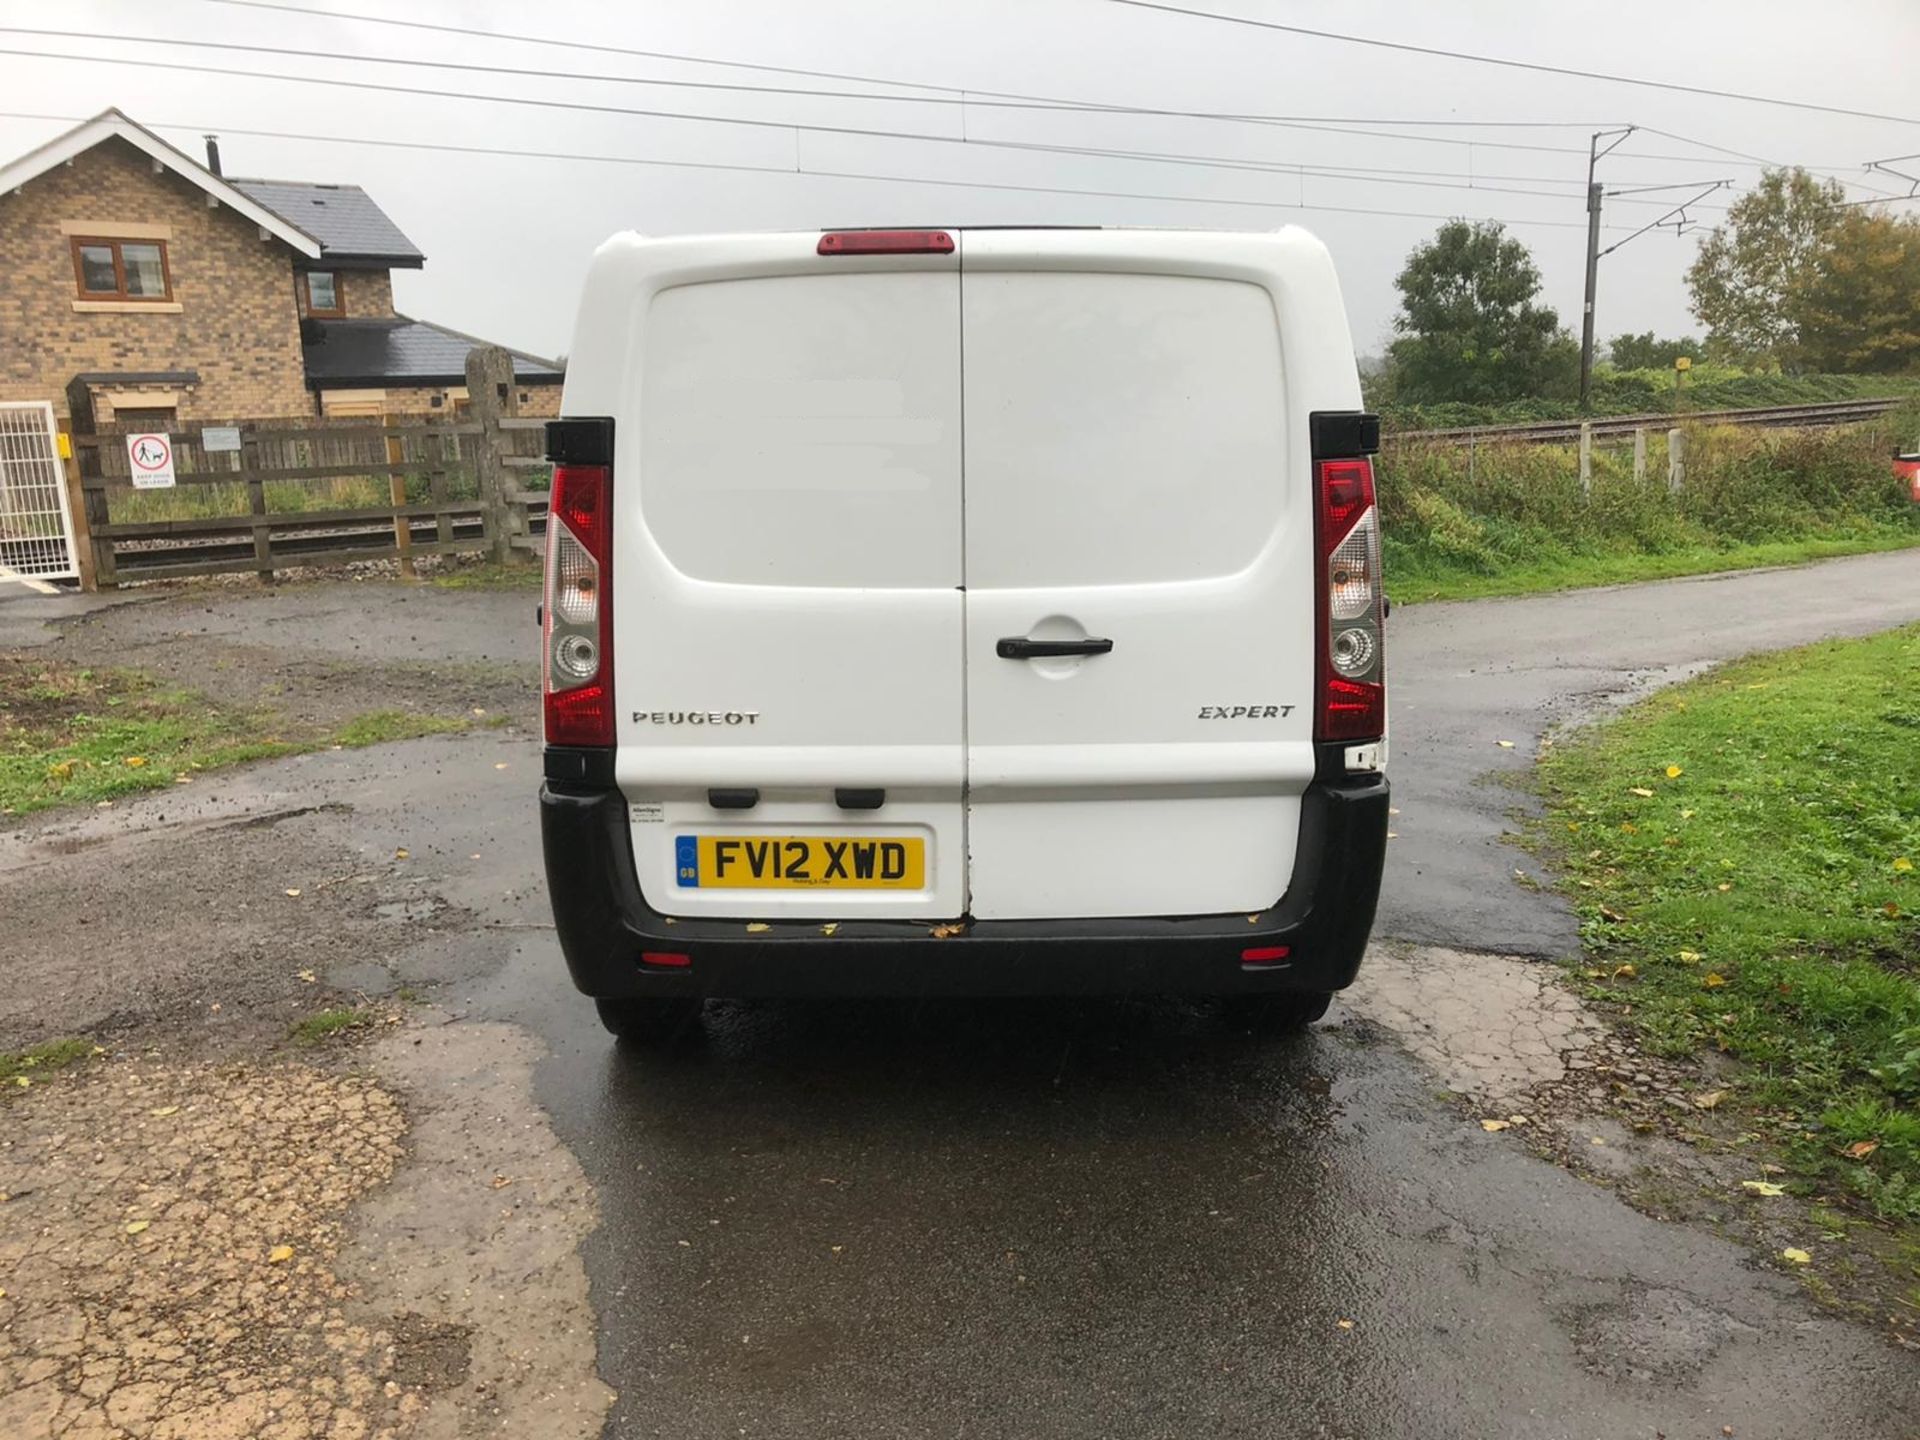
{"x": 1140, "y": 565}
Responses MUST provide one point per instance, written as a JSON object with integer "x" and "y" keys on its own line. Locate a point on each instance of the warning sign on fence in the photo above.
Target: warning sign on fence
{"x": 151, "y": 459}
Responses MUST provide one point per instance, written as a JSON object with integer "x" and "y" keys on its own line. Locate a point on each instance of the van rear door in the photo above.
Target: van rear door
{"x": 1137, "y": 472}
{"x": 788, "y": 617}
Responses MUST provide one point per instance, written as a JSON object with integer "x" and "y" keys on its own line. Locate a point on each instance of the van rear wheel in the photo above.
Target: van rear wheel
{"x": 1279, "y": 1014}
{"x": 651, "y": 1021}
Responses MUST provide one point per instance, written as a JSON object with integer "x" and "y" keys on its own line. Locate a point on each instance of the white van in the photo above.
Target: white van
{"x": 986, "y": 612}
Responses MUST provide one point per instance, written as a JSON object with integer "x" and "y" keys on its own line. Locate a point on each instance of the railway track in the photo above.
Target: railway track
{"x": 1549, "y": 432}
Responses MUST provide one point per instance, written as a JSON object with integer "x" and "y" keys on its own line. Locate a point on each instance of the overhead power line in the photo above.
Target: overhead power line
{"x": 975, "y": 96}
{"x": 760, "y": 123}
{"x": 954, "y": 97}
{"x": 807, "y": 171}
{"x": 1536, "y": 66}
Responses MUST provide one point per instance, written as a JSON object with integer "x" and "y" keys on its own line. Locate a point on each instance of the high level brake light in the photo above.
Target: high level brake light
{"x": 885, "y": 242}
{"x": 578, "y": 635}
{"x": 1353, "y": 690}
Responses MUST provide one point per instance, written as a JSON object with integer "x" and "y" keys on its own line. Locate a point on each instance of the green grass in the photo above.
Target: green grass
{"x": 324, "y": 1023}
{"x": 377, "y": 727}
{"x": 29, "y": 1065}
{"x": 76, "y": 736}
{"x": 1765, "y": 893}
{"x": 1512, "y": 519}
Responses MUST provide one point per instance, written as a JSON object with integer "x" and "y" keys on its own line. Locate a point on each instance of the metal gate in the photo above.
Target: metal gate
{"x": 36, "y": 532}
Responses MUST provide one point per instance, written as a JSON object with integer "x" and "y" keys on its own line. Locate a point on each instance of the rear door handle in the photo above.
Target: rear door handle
{"x": 1018, "y": 647}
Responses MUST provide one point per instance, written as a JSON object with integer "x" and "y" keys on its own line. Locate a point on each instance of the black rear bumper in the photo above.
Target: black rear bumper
{"x": 604, "y": 923}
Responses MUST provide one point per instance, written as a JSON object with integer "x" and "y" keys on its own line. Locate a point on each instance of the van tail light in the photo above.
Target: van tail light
{"x": 1352, "y": 700}
{"x": 578, "y": 614}
{"x": 885, "y": 242}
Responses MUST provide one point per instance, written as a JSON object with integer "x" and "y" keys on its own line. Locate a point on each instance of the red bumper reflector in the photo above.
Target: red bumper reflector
{"x": 886, "y": 242}
{"x": 1264, "y": 954}
{"x": 667, "y": 959}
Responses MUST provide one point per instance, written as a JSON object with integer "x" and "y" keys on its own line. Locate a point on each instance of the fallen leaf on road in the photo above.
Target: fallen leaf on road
{"x": 1597, "y": 1140}
{"x": 1674, "y": 772}
{"x": 400, "y": 854}
{"x": 164, "y": 1111}
{"x": 758, "y": 927}
{"x": 1798, "y": 1257}
{"x": 1518, "y": 1120}
{"x": 1493, "y": 1125}
{"x": 946, "y": 932}
{"x": 134, "y": 1227}
{"x": 828, "y": 929}
{"x": 838, "y": 1248}
{"x": 501, "y": 766}
{"x": 307, "y": 976}
{"x": 1763, "y": 1187}
{"x": 294, "y": 891}
{"x": 280, "y": 1254}
{"x": 1710, "y": 1100}
{"x": 1504, "y": 744}
{"x": 1641, "y": 791}
{"x": 1344, "y": 1324}
{"x": 500, "y": 1182}
{"x": 1861, "y": 1149}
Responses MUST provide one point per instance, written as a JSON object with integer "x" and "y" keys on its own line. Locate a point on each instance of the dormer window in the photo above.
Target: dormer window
{"x": 323, "y": 294}
{"x": 121, "y": 269}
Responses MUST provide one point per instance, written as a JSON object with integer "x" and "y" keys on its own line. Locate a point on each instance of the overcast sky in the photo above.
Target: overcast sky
{"x": 507, "y": 239}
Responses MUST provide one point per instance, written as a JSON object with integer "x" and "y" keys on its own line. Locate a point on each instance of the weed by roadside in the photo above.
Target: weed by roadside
{"x": 323, "y": 1023}
{"x": 1744, "y": 853}
{"x": 21, "y": 1068}
{"x": 488, "y": 576}
{"x": 76, "y": 735}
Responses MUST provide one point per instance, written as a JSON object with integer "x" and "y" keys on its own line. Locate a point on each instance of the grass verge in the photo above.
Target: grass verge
{"x": 72, "y": 736}
{"x": 1744, "y": 854}
{"x": 1412, "y": 578}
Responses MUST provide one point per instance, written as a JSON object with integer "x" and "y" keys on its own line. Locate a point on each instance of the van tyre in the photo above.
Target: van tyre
{"x": 649, "y": 1022}
{"x": 1280, "y": 1014}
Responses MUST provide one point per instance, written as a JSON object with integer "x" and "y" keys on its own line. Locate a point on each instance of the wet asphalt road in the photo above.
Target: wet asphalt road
{"x": 1090, "y": 1219}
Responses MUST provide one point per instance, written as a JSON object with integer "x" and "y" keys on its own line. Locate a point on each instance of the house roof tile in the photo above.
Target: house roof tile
{"x": 343, "y": 218}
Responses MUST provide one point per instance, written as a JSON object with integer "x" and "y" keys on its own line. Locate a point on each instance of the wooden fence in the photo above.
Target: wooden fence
{"x": 314, "y": 492}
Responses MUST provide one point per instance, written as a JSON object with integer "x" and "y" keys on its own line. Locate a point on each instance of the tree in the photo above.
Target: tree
{"x": 1643, "y": 352}
{"x": 1469, "y": 328}
{"x": 1750, "y": 263}
{"x": 1858, "y": 307}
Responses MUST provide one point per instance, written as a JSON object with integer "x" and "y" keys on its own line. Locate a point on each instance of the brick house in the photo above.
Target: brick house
{"x": 174, "y": 294}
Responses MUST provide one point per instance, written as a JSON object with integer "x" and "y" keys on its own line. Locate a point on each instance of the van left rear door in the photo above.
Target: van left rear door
{"x": 788, "y": 617}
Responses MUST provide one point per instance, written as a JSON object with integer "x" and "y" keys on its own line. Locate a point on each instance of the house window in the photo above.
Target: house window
{"x": 121, "y": 269}
{"x": 323, "y": 296}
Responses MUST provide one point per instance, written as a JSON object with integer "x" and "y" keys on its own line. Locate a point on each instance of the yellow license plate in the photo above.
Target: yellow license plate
{"x": 801, "y": 862}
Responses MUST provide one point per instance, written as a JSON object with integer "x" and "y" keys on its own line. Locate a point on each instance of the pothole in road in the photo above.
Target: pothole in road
{"x": 1496, "y": 1027}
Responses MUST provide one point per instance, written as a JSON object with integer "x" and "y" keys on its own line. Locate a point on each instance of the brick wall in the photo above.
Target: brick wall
{"x": 234, "y": 324}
